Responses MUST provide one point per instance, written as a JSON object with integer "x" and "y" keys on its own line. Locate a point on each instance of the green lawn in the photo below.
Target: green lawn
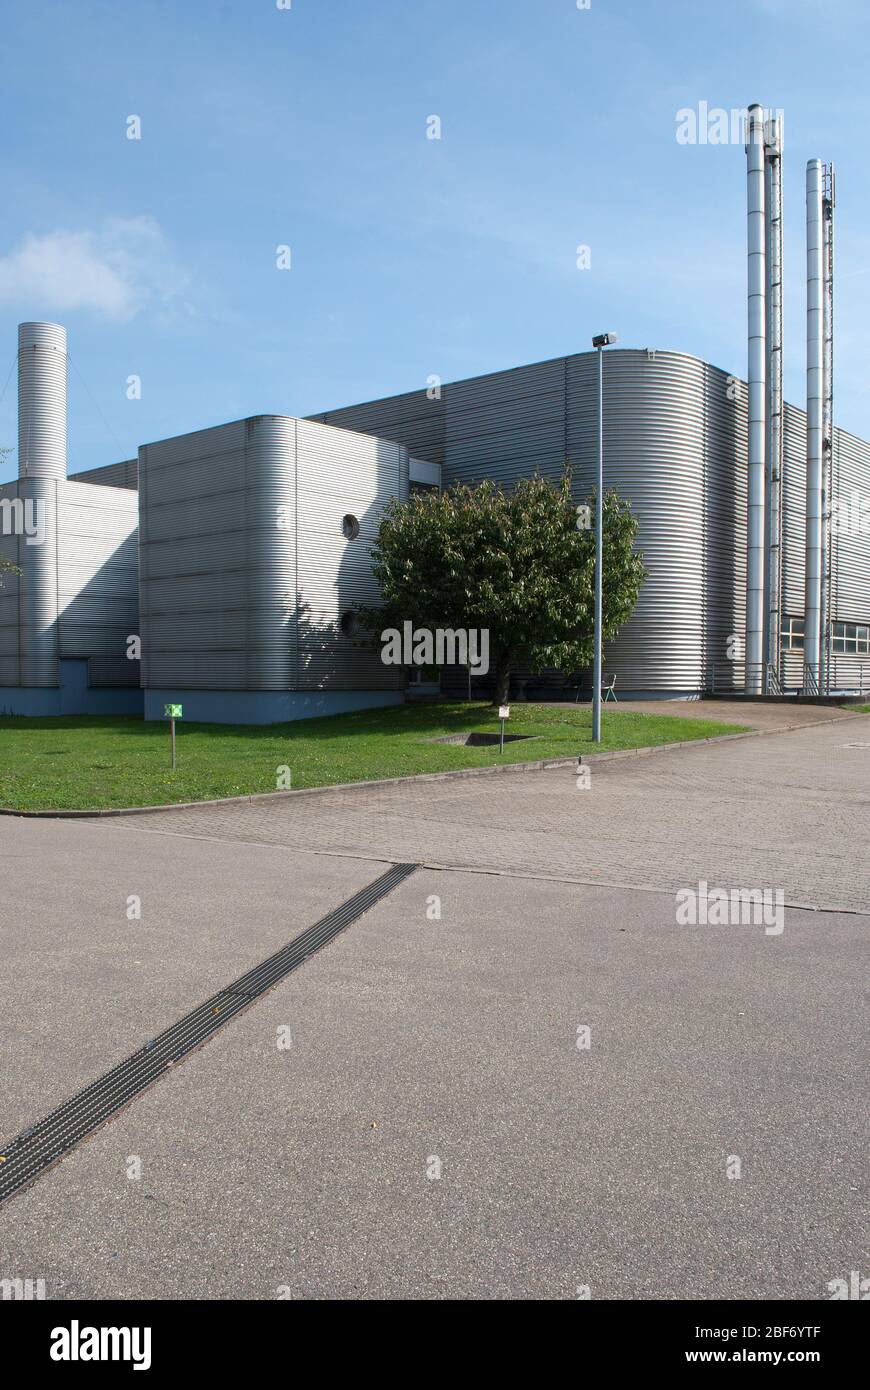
{"x": 87, "y": 762}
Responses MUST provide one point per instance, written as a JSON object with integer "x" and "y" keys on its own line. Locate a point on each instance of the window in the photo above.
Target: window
{"x": 350, "y": 526}
{"x": 792, "y": 634}
{"x": 348, "y": 623}
{"x": 850, "y": 639}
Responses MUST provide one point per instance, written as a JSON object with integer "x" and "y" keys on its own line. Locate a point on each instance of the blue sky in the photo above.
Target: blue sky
{"x": 307, "y": 127}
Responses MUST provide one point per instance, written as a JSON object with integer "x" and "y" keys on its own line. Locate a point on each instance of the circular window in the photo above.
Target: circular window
{"x": 348, "y": 624}
{"x": 350, "y": 526}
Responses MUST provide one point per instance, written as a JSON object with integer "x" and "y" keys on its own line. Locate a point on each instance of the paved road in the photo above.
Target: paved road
{"x": 766, "y": 715}
{"x": 307, "y": 1171}
{"x": 785, "y": 811}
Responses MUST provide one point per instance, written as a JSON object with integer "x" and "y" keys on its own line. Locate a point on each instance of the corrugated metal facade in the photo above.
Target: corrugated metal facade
{"x": 98, "y": 579}
{"x": 77, "y": 594}
{"x": 42, "y": 363}
{"x": 124, "y": 474}
{"x": 28, "y": 601}
{"x": 10, "y": 627}
{"x": 245, "y": 572}
{"x": 675, "y": 447}
{"x": 850, "y": 548}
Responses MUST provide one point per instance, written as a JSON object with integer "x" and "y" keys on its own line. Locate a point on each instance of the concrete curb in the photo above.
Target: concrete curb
{"x": 542, "y": 765}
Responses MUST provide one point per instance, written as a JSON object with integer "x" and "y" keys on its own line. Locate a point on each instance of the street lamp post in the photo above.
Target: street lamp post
{"x": 600, "y": 342}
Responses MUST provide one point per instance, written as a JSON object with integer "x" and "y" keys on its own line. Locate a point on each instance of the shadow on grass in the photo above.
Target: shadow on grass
{"x": 392, "y": 719}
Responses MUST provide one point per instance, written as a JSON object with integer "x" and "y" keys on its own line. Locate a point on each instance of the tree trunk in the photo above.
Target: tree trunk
{"x": 503, "y": 677}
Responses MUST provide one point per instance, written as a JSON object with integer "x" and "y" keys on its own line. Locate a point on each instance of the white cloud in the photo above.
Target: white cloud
{"x": 114, "y": 272}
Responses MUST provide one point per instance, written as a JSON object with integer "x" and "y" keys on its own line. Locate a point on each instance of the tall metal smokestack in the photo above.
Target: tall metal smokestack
{"x": 828, "y": 201}
{"x": 774, "y": 440}
{"x": 41, "y": 400}
{"x": 815, "y": 373}
{"x": 756, "y": 374}
{"x": 41, "y": 472}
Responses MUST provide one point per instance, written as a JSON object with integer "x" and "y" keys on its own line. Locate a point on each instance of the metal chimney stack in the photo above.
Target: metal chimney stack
{"x": 41, "y": 474}
{"x": 774, "y": 441}
{"x": 42, "y": 360}
{"x": 828, "y": 201}
{"x": 815, "y": 385}
{"x": 757, "y": 378}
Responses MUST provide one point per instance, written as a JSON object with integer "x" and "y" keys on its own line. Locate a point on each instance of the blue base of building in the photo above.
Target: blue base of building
{"x": 46, "y": 702}
{"x": 265, "y": 706}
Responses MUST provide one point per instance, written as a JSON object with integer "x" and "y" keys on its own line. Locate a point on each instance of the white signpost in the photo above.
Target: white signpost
{"x": 504, "y": 712}
{"x": 172, "y": 712}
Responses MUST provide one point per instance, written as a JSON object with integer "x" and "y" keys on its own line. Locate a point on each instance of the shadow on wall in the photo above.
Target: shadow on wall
{"x": 89, "y": 633}
{"x": 723, "y": 513}
{"x": 334, "y": 574}
{"x": 96, "y": 623}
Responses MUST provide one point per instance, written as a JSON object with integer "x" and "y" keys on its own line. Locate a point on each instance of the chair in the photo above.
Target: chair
{"x": 608, "y": 691}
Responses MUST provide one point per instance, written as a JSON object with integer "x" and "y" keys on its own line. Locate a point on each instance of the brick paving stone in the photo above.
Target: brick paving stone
{"x": 788, "y": 811}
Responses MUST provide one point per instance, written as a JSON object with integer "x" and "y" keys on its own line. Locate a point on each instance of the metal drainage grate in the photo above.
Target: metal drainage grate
{"x": 48, "y": 1140}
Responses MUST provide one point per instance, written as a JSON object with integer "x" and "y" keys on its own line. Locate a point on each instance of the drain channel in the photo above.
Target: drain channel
{"x": 38, "y": 1147}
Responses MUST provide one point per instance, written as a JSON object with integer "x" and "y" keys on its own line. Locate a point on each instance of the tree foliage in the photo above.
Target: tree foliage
{"x": 520, "y": 564}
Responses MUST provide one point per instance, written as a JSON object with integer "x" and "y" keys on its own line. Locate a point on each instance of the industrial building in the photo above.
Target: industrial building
{"x": 675, "y": 445}
{"x": 220, "y": 568}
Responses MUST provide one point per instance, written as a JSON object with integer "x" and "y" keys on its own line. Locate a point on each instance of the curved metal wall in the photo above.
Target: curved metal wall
{"x": 219, "y": 577}
{"x": 675, "y": 446}
{"x": 42, "y": 364}
{"x": 244, "y": 569}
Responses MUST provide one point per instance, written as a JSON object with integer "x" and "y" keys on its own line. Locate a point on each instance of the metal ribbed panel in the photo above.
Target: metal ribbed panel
{"x": 232, "y": 600}
{"x": 112, "y": 671}
{"x": 41, "y": 400}
{"x": 124, "y": 475}
{"x": 10, "y": 671}
{"x": 201, "y": 557}
{"x": 794, "y": 508}
{"x": 98, "y": 578}
{"x": 38, "y": 588}
{"x": 675, "y": 447}
{"x": 850, "y": 558}
{"x": 412, "y": 419}
{"x": 850, "y": 553}
{"x": 340, "y": 472}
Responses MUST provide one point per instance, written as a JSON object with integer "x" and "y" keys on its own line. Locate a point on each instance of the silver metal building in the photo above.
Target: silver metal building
{"x": 233, "y": 557}
{"x": 254, "y": 547}
{"x": 676, "y": 446}
{"x": 253, "y": 542}
{"x": 65, "y": 617}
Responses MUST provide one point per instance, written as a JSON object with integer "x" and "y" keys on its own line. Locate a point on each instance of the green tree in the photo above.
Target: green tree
{"x": 520, "y": 564}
